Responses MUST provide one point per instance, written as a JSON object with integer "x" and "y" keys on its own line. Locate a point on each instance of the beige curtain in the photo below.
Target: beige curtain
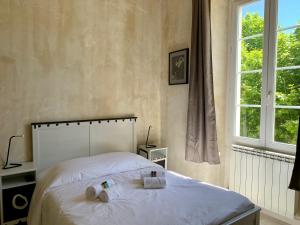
{"x": 201, "y": 142}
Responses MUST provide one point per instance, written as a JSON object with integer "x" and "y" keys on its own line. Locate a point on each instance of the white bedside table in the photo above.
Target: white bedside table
{"x": 157, "y": 155}
{"x": 17, "y": 186}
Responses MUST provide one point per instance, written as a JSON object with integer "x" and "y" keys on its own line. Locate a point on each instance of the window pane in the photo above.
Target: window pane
{"x": 288, "y": 13}
{"x": 252, "y": 54}
{"x": 288, "y": 87}
{"x": 249, "y": 64}
{"x": 251, "y": 88}
{"x": 249, "y": 122}
{"x": 288, "y": 47}
{"x": 286, "y": 125}
{"x": 287, "y": 72}
{"x": 253, "y": 18}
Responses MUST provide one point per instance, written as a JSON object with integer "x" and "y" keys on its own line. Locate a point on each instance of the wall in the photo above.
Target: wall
{"x": 177, "y": 35}
{"x": 74, "y": 59}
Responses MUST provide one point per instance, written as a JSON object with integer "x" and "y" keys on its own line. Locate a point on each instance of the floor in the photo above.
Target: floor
{"x": 266, "y": 220}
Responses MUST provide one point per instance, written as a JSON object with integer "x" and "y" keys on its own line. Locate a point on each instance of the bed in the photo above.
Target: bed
{"x": 63, "y": 177}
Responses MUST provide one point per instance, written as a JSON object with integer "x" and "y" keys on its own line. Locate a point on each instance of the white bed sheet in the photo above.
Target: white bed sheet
{"x": 183, "y": 201}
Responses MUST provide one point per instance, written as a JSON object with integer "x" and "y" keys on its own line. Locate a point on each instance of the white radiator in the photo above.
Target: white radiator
{"x": 263, "y": 177}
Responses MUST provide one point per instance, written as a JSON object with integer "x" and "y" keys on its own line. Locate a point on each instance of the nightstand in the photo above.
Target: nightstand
{"x": 17, "y": 186}
{"x": 157, "y": 155}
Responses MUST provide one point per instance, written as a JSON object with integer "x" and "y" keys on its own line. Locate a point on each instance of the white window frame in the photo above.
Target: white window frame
{"x": 267, "y": 129}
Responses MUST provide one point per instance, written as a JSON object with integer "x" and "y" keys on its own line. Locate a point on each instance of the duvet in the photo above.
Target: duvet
{"x": 59, "y": 197}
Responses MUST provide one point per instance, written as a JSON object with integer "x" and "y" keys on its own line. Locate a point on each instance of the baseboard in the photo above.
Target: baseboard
{"x": 295, "y": 221}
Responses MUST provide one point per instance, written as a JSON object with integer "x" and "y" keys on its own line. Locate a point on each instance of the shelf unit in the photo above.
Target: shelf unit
{"x": 17, "y": 185}
{"x": 157, "y": 155}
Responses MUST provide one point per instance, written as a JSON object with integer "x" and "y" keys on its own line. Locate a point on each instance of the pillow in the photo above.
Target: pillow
{"x": 91, "y": 167}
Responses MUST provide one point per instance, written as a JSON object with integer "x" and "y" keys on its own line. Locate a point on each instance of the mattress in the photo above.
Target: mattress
{"x": 60, "y": 196}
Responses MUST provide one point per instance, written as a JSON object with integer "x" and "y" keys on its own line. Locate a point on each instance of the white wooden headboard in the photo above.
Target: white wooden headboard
{"x": 58, "y": 141}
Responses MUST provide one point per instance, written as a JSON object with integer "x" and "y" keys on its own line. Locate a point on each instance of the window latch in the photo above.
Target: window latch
{"x": 269, "y": 97}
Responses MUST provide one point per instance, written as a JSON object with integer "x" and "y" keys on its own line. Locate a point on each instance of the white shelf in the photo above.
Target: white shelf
{"x": 16, "y": 182}
{"x": 154, "y": 154}
{"x": 26, "y": 167}
{"x": 12, "y": 182}
{"x": 157, "y": 156}
{"x": 157, "y": 160}
{"x": 24, "y": 219}
{"x": 152, "y": 149}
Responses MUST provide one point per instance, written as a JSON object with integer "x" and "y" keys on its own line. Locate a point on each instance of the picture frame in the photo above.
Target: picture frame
{"x": 179, "y": 67}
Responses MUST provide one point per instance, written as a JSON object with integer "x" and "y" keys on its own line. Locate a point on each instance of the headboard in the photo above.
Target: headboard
{"x": 58, "y": 141}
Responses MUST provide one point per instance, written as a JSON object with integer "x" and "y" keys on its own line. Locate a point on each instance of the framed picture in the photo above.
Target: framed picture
{"x": 179, "y": 67}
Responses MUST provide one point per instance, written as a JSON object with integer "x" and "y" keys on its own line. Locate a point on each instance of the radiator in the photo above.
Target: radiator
{"x": 263, "y": 177}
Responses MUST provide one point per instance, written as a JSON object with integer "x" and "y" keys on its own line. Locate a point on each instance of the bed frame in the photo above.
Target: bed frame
{"x": 250, "y": 217}
{"x": 58, "y": 141}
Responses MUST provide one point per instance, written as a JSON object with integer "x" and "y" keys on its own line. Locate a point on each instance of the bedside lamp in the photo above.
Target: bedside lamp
{"x": 146, "y": 144}
{"x": 11, "y": 165}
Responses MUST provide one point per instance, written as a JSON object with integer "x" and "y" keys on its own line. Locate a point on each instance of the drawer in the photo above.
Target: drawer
{"x": 16, "y": 202}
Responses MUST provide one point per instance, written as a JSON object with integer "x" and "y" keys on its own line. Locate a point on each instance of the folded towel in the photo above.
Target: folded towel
{"x": 154, "y": 182}
{"x": 92, "y": 192}
{"x": 109, "y": 194}
{"x": 155, "y": 173}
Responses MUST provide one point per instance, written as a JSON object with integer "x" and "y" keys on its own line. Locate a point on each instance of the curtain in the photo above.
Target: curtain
{"x": 295, "y": 180}
{"x": 201, "y": 140}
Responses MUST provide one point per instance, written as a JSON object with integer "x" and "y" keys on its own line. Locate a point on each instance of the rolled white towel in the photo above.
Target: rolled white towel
{"x": 92, "y": 192}
{"x": 159, "y": 173}
{"x": 109, "y": 194}
{"x": 154, "y": 182}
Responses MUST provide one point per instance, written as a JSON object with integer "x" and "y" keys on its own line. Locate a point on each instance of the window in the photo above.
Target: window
{"x": 266, "y": 69}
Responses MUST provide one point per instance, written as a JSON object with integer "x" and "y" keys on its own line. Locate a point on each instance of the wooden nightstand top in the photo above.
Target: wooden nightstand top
{"x": 26, "y": 167}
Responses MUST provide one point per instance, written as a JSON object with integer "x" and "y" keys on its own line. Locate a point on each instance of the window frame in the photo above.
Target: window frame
{"x": 267, "y": 126}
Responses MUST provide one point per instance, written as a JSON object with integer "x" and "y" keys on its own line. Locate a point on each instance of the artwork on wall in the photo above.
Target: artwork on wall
{"x": 178, "y": 67}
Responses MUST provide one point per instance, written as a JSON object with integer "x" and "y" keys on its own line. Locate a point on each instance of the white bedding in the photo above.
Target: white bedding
{"x": 59, "y": 198}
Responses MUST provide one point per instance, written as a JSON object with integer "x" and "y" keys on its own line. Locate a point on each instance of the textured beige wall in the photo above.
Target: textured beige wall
{"x": 177, "y": 34}
{"x": 76, "y": 59}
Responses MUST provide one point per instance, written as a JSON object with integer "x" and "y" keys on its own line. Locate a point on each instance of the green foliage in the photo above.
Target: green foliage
{"x": 251, "y": 88}
{"x": 252, "y": 24}
{"x": 287, "y": 81}
{"x": 250, "y": 122}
